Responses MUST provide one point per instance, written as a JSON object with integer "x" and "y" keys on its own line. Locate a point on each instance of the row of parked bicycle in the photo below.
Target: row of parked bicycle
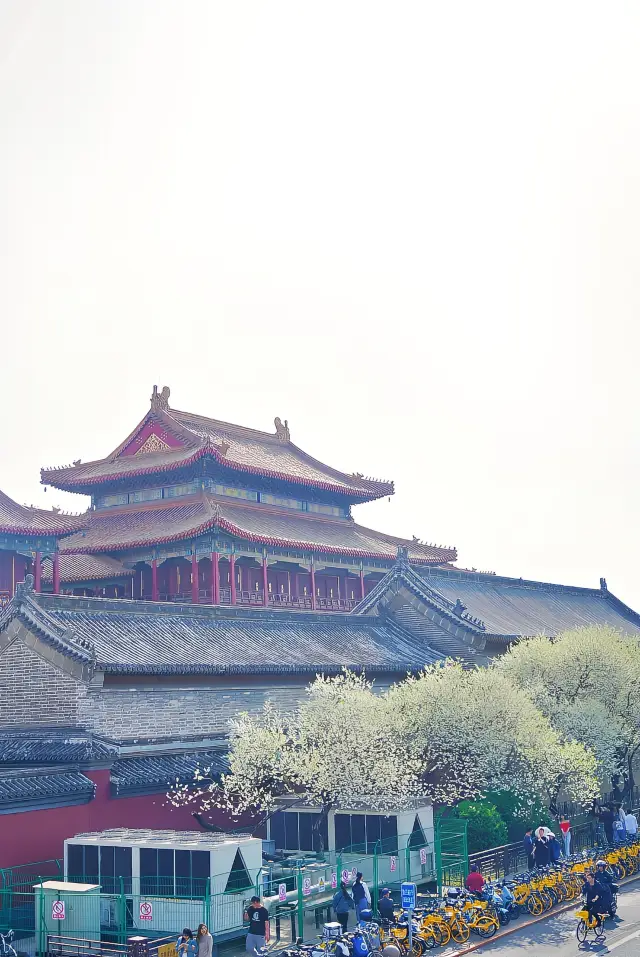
{"x": 458, "y": 914}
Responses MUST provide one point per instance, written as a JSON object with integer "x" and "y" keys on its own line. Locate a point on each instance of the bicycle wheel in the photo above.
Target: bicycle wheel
{"x": 420, "y": 944}
{"x": 600, "y": 932}
{"x": 441, "y": 933}
{"x": 535, "y": 905}
{"x": 486, "y": 926}
{"x": 460, "y": 931}
{"x": 581, "y": 931}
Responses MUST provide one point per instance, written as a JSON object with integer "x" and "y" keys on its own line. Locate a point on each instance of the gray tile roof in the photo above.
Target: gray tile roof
{"x": 27, "y": 787}
{"x": 516, "y": 607}
{"x": 54, "y": 746}
{"x": 138, "y": 637}
{"x": 156, "y": 772}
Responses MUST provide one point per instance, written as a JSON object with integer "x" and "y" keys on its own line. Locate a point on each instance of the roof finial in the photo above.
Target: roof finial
{"x": 282, "y": 431}
{"x": 160, "y": 400}
{"x": 403, "y": 555}
{"x": 603, "y": 584}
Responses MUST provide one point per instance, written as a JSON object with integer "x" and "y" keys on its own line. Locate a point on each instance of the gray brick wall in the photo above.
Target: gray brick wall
{"x": 35, "y": 692}
{"x": 150, "y": 713}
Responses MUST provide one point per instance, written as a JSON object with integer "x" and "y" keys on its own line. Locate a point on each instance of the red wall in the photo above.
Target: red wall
{"x": 39, "y": 835}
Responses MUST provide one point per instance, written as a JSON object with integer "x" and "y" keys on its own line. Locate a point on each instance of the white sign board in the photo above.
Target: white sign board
{"x": 146, "y": 910}
{"x": 282, "y": 892}
{"x": 423, "y": 855}
{"x": 306, "y": 886}
{"x": 334, "y": 879}
{"x": 394, "y": 863}
{"x": 57, "y": 910}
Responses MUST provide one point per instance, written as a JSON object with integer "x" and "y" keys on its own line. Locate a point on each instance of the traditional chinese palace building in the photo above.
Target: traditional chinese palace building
{"x": 216, "y": 568}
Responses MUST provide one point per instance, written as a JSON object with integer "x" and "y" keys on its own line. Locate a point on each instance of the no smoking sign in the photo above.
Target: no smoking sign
{"x": 57, "y": 910}
{"x": 146, "y": 910}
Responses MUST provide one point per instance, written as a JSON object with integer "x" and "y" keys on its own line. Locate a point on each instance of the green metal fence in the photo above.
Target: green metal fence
{"x": 296, "y": 891}
{"x": 35, "y": 908}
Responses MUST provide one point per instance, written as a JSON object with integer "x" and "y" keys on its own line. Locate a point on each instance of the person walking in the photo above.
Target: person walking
{"x": 541, "y": 852}
{"x": 258, "y": 917}
{"x": 204, "y": 940}
{"x": 342, "y": 903}
{"x": 565, "y": 828}
{"x": 529, "y": 845}
{"x": 361, "y": 894}
{"x": 619, "y": 828}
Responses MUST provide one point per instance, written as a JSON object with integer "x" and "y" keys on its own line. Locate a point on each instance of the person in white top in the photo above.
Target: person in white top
{"x": 631, "y": 823}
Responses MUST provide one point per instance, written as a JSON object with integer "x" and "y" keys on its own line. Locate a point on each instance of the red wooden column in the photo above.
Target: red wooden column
{"x": 313, "y": 586}
{"x": 361, "y": 583}
{"x": 154, "y": 580}
{"x": 215, "y": 578}
{"x": 232, "y": 577}
{"x": 37, "y": 571}
{"x": 56, "y": 573}
{"x": 265, "y": 582}
{"x": 195, "y": 584}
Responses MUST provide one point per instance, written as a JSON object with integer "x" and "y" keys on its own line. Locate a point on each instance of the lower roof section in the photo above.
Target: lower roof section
{"x": 483, "y": 609}
{"x": 85, "y": 568}
{"x": 148, "y": 774}
{"x": 514, "y": 607}
{"x": 29, "y": 791}
{"x": 128, "y": 637}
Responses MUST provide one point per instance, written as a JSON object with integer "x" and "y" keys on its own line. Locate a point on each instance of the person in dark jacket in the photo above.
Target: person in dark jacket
{"x": 541, "y": 851}
{"x": 386, "y": 905}
{"x": 555, "y": 851}
{"x": 342, "y": 903}
{"x": 605, "y": 877}
{"x": 528, "y": 847}
{"x": 606, "y": 817}
{"x": 361, "y": 894}
{"x": 598, "y": 898}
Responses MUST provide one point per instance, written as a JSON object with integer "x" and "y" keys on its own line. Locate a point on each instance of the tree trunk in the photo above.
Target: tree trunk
{"x": 316, "y": 829}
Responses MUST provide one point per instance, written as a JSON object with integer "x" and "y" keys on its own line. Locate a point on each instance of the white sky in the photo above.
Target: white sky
{"x": 409, "y": 228}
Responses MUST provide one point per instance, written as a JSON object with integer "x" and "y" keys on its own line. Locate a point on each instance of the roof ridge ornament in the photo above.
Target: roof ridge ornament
{"x": 603, "y": 584}
{"x": 282, "y": 431}
{"x": 25, "y": 589}
{"x": 160, "y": 400}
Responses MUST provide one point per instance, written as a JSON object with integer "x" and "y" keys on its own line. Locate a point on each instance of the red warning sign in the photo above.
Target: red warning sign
{"x": 57, "y": 910}
{"x": 146, "y": 910}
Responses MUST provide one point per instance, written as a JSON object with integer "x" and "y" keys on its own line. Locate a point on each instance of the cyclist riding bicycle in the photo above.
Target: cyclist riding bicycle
{"x": 598, "y": 898}
{"x": 604, "y": 875}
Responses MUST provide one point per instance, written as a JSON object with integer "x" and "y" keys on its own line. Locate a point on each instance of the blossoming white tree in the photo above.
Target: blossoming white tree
{"x": 445, "y": 735}
{"x": 473, "y": 731}
{"x": 587, "y": 681}
{"x": 336, "y": 749}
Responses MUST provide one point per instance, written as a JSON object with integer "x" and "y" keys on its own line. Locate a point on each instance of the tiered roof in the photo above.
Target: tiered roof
{"x": 20, "y": 520}
{"x": 127, "y": 527}
{"x": 166, "y": 440}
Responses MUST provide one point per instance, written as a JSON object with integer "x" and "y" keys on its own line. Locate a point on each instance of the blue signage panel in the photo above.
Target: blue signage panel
{"x": 408, "y": 896}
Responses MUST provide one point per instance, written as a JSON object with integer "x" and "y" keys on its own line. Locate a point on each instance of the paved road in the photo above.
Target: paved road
{"x": 556, "y": 937}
